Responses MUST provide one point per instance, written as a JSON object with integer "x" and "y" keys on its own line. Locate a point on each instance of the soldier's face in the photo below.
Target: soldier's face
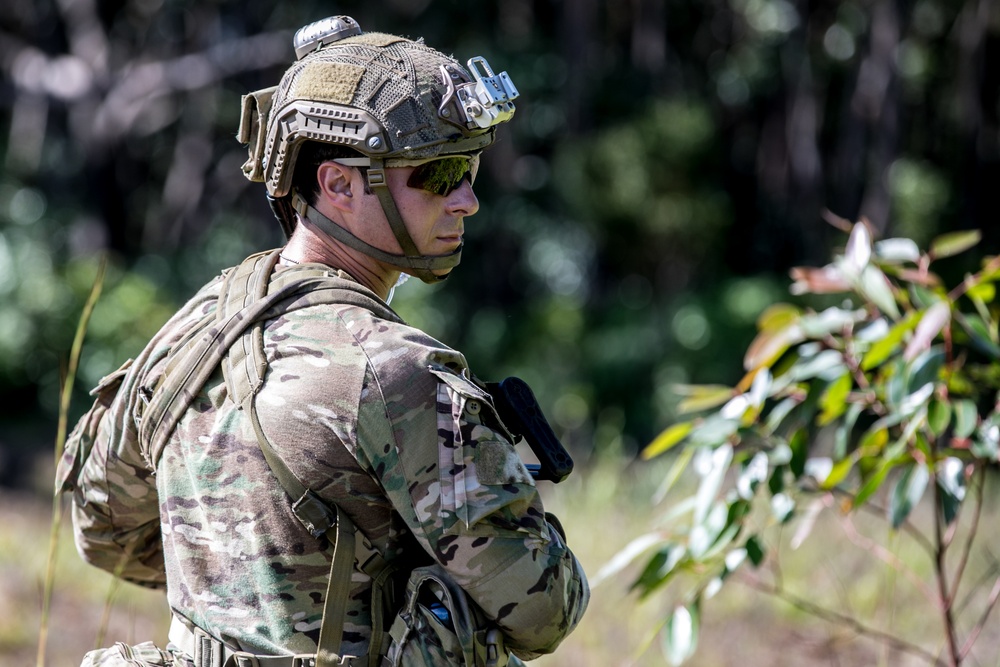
{"x": 435, "y": 222}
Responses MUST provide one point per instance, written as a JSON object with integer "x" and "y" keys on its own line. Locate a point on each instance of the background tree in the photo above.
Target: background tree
{"x": 670, "y": 159}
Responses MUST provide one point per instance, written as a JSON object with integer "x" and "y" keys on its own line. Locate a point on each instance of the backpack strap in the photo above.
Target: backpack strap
{"x": 233, "y": 337}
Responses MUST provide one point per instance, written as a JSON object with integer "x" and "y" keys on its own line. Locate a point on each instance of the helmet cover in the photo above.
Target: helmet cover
{"x": 382, "y": 95}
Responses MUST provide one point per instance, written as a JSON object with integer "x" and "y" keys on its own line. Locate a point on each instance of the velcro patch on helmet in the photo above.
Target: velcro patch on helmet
{"x": 328, "y": 82}
{"x": 376, "y": 39}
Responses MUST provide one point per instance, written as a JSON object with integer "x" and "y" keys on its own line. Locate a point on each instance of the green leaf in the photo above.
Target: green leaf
{"x": 907, "y": 493}
{"x": 951, "y": 482}
{"x": 983, "y": 338}
{"x": 660, "y": 568}
{"x": 779, "y": 412}
{"x": 667, "y": 439}
{"x": 702, "y": 397}
{"x": 839, "y": 472}
{"x": 985, "y": 292}
{"x": 845, "y": 428}
{"x": 953, "y": 243}
{"x": 884, "y": 348}
{"x": 939, "y": 416}
{"x": 680, "y": 637}
{"x": 877, "y": 288}
{"x": 833, "y": 401}
{"x": 799, "y": 443}
{"x": 755, "y": 552}
{"x": 871, "y": 485}
{"x": 966, "y": 418}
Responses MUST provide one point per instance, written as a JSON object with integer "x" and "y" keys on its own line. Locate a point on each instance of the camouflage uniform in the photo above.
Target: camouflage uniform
{"x": 374, "y": 416}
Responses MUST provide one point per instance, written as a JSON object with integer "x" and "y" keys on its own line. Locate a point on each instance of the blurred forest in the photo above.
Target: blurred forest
{"x": 669, "y": 161}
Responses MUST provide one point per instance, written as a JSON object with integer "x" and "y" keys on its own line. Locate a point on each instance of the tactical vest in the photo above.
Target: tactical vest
{"x": 234, "y": 337}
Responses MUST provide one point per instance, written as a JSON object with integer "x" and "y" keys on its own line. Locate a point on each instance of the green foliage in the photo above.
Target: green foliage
{"x": 902, "y": 375}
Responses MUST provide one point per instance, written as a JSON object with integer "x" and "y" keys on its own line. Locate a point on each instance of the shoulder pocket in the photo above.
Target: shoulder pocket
{"x": 81, "y": 439}
{"x": 481, "y": 474}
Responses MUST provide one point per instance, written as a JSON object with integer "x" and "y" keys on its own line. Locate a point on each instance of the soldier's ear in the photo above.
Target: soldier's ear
{"x": 335, "y": 182}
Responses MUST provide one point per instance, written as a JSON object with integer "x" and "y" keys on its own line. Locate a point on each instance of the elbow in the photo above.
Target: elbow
{"x": 548, "y": 611}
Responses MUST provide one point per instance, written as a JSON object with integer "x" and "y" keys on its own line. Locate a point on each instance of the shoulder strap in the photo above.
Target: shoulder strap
{"x": 233, "y": 336}
{"x": 191, "y": 366}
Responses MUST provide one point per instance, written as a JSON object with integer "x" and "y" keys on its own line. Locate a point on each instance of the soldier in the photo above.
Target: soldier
{"x": 391, "y": 450}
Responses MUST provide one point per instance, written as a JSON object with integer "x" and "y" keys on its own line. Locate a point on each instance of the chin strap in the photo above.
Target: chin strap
{"x": 421, "y": 266}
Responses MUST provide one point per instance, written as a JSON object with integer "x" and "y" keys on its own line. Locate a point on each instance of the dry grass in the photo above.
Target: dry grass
{"x": 602, "y": 509}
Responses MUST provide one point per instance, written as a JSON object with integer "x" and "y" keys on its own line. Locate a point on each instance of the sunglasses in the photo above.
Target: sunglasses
{"x": 443, "y": 176}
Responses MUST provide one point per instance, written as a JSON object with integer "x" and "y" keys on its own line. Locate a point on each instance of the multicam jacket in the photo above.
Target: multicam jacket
{"x": 371, "y": 414}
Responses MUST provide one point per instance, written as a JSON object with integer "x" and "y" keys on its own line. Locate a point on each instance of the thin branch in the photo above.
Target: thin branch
{"x": 974, "y": 635}
{"x": 887, "y": 557}
{"x": 973, "y": 529}
{"x": 837, "y": 618}
{"x": 940, "y": 575}
{"x": 871, "y": 507}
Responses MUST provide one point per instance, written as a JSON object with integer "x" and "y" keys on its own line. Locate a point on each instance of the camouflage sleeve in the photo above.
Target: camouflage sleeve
{"x": 115, "y": 510}
{"x": 116, "y": 517}
{"x": 456, "y": 479}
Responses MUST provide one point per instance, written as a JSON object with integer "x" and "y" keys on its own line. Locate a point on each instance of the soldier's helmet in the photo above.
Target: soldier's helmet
{"x": 392, "y": 100}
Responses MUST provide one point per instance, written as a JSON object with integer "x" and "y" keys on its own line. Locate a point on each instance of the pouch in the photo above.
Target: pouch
{"x": 439, "y": 625}
{"x": 145, "y": 654}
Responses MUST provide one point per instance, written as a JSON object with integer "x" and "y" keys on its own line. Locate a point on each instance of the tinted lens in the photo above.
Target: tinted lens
{"x": 442, "y": 176}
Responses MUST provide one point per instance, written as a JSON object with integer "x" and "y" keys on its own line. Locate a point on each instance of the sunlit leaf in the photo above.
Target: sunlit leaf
{"x": 875, "y": 438}
{"x": 667, "y": 439}
{"x": 884, "y": 348}
{"x": 828, "y": 363}
{"x": 676, "y": 470}
{"x": 985, "y": 292}
{"x": 754, "y": 472}
{"x": 714, "y": 465}
{"x": 916, "y": 400}
{"x": 933, "y": 321}
{"x": 713, "y": 431}
{"x": 833, "y": 401}
{"x": 877, "y": 289}
{"x": 838, "y": 473}
{"x": 769, "y": 345}
{"x": 702, "y": 397}
{"x": 819, "y": 468}
{"x": 782, "y": 506}
{"x": 825, "y": 280}
{"x": 907, "y": 493}
{"x": 858, "y": 252}
{"x": 777, "y": 316}
{"x": 986, "y": 444}
{"x": 953, "y": 243}
{"x": 779, "y": 412}
{"x": 623, "y": 558}
{"x": 807, "y": 522}
{"x": 680, "y": 636}
{"x": 735, "y": 558}
{"x": 829, "y": 321}
{"x": 951, "y": 482}
{"x": 897, "y": 250}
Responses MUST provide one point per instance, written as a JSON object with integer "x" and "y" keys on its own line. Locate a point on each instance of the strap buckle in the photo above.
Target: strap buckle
{"x": 244, "y": 659}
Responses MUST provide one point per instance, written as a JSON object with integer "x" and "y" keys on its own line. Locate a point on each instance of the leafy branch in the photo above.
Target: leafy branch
{"x": 892, "y": 394}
